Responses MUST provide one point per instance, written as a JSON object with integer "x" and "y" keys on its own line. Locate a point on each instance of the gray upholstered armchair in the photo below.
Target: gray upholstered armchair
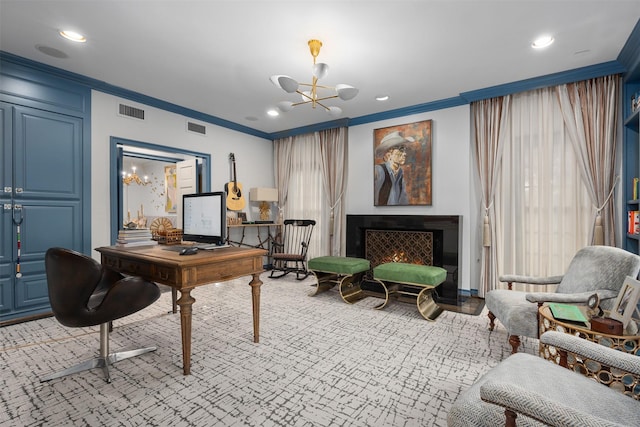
{"x": 594, "y": 269}
{"x": 532, "y": 391}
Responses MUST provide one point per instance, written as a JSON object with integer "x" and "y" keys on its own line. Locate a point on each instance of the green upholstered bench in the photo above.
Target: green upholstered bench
{"x": 411, "y": 279}
{"x": 346, "y": 272}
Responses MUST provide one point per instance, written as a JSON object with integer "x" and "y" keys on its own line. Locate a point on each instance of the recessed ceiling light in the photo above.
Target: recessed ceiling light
{"x": 382, "y": 97}
{"x": 542, "y": 42}
{"x": 273, "y": 112}
{"x": 73, "y": 36}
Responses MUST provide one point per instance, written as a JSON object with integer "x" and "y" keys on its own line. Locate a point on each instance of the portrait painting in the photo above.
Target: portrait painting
{"x": 402, "y": 164}
{"x": 170, "y": 189}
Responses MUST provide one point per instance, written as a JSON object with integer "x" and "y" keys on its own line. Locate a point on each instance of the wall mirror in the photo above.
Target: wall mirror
{"x": 143, "y": 181}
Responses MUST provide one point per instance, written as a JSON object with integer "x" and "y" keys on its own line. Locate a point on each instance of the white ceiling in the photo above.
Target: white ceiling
{"x": 216, "y": 57}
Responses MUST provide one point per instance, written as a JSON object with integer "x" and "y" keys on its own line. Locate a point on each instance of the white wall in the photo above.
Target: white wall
{"x": 452, "y": 168}
{"x": 452, "y": 178}
{"x": 254, "y": 156}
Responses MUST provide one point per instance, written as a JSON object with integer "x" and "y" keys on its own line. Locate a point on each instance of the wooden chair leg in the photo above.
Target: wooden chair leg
{"x": 492, "y": 319}
{"x": 514, "y": 340}
{"x": 511, "y": 418}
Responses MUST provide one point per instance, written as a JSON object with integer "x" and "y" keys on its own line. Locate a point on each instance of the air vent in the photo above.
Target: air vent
{"x": 129, "y": 111}
{"x": 197, "y": 128}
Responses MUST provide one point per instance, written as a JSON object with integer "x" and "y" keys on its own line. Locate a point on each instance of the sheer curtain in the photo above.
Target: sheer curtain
{"x": 543, "y": 210}
{"x": 301, "y": 191}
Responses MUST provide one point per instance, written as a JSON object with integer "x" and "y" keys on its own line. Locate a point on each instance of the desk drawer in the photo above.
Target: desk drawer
{"x": 124, "y": 266}
{"x": 166, "y": 275}
{"x": 219, "y": 272}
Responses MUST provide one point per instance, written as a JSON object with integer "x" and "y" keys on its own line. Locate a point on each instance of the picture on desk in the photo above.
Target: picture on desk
{"x": 242, "y": 216}
{"x": 626, "y": 303}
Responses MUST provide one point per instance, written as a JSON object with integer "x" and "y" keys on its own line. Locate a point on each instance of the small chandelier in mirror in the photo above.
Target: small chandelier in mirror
{"x": 132, "y": 176}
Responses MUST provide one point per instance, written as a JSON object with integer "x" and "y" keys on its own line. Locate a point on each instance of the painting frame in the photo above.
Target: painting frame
{"x": 402, "y": 165}
{"x": 170, "y": 189}
{"x": 626, "y": 302}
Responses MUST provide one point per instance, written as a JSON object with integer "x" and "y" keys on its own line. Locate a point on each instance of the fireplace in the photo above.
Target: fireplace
{"x": 418, "y": 239}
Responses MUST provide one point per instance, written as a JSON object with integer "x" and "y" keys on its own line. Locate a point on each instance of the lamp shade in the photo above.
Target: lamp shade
{"x": 320, "y": 70}
{"x": 263, "y": 194}
{"x": 346, "y": 92}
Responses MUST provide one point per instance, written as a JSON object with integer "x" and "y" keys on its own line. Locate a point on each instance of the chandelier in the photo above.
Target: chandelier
{"x": 312, "y": 95}
{"x": 128, "y": 178}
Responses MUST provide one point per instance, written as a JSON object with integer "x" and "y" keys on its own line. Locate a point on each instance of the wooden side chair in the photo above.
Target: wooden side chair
{"x": 290, "y": 254}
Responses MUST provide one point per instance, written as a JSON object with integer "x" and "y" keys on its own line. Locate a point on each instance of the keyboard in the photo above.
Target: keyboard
{"x": 212, "y": 247}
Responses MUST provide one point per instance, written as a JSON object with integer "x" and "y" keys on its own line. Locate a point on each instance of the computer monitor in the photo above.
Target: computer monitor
{"x": 204, "y": 218}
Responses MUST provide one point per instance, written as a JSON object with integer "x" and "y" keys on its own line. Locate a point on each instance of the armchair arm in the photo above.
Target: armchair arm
{"x": 531, "y": 280}
{"x": 577, "y": 298}
{"x": 608, "y": 356}
{"x": 537, "y": 406}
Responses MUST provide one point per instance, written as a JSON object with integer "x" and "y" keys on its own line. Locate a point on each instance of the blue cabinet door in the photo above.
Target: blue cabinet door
{"x": 6, "y": 209}
{"x": 47, "y": 183}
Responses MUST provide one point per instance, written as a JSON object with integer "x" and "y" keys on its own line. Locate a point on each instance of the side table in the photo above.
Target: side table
{"x": 592, "y": 369}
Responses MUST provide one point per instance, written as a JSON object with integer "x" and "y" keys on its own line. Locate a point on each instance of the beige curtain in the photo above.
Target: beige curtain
{"x": 298, "y": 163}
{"x": 543, "y": 210}
{"x": 282, "y": 160}
{"x": 489, "y": 122}
{"x": 333, "y": 155}
{"x": 590, "y": 110}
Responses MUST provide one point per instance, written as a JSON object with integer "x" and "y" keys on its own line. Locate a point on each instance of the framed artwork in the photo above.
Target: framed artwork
{"x": 170, "y": 189}
{"x": 626, "y": 301}
{"x": 242, "y": 216}
{"x": 402, "y": 164}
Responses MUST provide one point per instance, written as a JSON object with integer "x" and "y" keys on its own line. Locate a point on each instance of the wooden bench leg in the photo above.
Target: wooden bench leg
{"x": 427, "y": 306}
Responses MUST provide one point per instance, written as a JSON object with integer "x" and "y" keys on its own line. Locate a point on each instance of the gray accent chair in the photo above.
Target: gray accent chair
{"x": 594, "y": 269}
{"x": 531, "y": 391}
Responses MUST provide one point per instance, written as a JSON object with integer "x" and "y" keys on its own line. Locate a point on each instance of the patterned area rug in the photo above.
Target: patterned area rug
{"x": 320, "y": 362}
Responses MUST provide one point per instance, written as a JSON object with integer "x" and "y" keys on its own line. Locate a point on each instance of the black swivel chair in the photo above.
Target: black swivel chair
{"x": 290, "y": 254}
{"x": 83, "y": 293}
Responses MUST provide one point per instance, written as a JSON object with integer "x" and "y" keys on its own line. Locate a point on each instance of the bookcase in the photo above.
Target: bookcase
{"x": 631, "y": 149}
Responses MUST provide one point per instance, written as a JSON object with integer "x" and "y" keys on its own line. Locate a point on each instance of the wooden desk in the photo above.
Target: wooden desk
{"x": 157, "y": 264}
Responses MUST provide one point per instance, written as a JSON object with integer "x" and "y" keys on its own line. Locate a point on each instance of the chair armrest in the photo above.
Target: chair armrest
{"x": 537, "y": 406}
{"x": 531, "y": 280}
{"x": 577, "y": 298}
{"x": 589, "y": 350}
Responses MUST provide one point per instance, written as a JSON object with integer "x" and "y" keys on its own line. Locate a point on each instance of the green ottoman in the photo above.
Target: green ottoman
{"x": 411, "y": 279}
{"x": 346, "y": 272}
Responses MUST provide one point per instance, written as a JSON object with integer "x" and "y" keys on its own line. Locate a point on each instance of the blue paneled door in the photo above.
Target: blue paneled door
{"x": 46, "y": 190}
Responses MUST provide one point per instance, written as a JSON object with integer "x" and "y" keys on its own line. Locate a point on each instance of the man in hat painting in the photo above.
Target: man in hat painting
{"x": 389, "y": 185}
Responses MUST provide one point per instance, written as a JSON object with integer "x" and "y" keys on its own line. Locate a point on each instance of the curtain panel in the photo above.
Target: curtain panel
{"x": 311, "y": 178}
{"x": 546, "y": 163}
{"x": 489, "y": 118}
{"x": 590, "y": 110}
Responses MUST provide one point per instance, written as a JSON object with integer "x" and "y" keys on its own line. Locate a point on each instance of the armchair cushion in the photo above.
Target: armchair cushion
{"x": 514, "y": 311}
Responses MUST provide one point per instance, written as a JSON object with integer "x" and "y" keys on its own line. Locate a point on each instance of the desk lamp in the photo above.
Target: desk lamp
{"x": 265, "y": 196}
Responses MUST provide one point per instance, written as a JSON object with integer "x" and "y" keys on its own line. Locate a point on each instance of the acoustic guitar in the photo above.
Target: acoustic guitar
{"x": 235, "y": 199}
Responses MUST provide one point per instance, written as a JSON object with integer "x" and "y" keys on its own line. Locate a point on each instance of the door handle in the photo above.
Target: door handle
{"x": 17, "y": 209}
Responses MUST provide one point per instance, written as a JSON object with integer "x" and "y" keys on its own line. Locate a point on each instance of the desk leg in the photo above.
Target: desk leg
{"x": 255, "y": 299}
{"x": 185, "y": 302}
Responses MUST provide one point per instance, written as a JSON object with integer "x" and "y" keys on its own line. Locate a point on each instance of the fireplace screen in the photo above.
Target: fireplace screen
{"x": 413, "y": 247}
